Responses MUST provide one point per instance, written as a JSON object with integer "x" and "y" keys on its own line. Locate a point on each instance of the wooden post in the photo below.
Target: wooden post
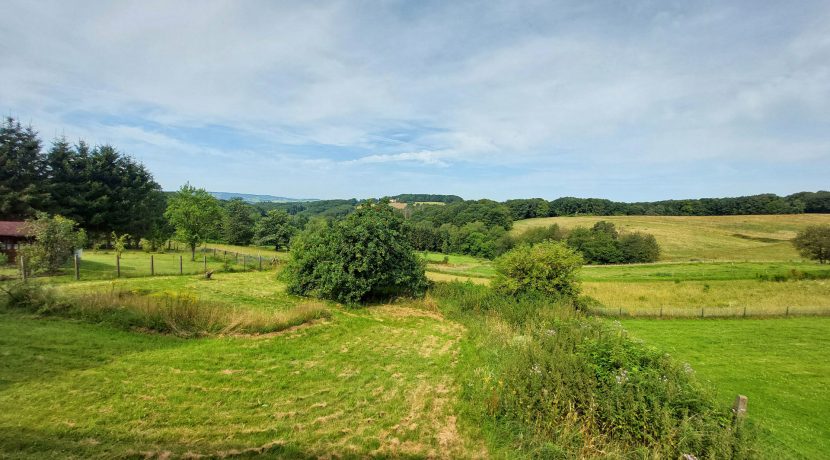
{"x": 214, "y": 253}
{"x": 744, "y": 312}
{"x": 620, "y": 312}
{"x": 181, "y": 265}
{"x": 204, "y": 258}
{"x": 661, "y": 311}
{"x": 23, "y": 268}
{"x": 77, "y": 267}
{"x": 788, "y": 311}
{"x": 739, "y": 408}
{"x": 244, "y": 261}
{"x": 701, "y": 312}
{"x": 152, "y": 266}
{"x": 260, "y": 263}
{"x": 224, "y": 256}
{"x": 117, "y": 266}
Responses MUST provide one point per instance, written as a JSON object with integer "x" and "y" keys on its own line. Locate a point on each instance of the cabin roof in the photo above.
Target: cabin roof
{"x": 12, "y": 228}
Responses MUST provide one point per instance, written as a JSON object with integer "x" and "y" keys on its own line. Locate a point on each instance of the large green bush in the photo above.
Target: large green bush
{"x": 814, "y": 242}
{"x": 545, "y": 378}
{"x": 548, "y": 268}
{"x": 362, "y": 257}
{"x": 55, "y": 240}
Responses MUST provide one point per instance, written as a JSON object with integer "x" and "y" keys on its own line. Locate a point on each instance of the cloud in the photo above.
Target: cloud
{"x": 449, "y": 94}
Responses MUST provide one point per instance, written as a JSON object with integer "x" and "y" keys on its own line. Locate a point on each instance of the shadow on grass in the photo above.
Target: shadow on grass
{"x": 37, "y": 349}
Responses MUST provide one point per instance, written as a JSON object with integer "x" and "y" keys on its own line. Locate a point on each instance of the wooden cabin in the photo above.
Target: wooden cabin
{"x": 11, "y": 237}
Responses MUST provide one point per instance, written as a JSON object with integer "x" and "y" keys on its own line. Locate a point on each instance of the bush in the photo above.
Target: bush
{"x": 548, "y": 268}
{"x": 4, "y": 259}
{"x": 55, "y": 240}
{"x": 639, "y": 248}
{"x": 814, "y": 242}
{"x": 364, "y": 256}
{"x": 556, "y": 383}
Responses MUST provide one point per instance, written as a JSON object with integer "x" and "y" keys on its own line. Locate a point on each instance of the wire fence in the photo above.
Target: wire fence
{"x": 711, "y": 312}
{"x": 131, "y": 264}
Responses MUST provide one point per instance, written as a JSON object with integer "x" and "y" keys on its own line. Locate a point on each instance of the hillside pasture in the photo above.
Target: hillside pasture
{"x": 782, "y": 365}
{"x": 709, "y": 238}
{"x": 368, "y": 383}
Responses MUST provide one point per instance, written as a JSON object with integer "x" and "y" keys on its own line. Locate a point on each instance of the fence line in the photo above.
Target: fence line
{"x": 711, "y": 312}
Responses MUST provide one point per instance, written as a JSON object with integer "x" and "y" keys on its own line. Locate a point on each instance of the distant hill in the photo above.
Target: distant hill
{"x": 250, "y": 198}
{"x": 425, "y": 198}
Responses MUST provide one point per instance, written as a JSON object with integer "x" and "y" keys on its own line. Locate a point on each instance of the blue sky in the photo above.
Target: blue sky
{"x": 625, "y": 100}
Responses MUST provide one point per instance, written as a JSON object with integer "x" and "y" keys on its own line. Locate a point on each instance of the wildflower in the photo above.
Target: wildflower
{"x": 688, "y": 368}
{"x": 622, "y": 377}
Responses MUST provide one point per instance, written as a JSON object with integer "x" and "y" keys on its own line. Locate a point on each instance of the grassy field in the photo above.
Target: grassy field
{"x": 781, "y": 365}
{"x": 369, "y": 382}
{"x": 722, "y": 238}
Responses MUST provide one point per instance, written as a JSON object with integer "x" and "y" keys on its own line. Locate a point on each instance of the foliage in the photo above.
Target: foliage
{"x": 275, "y": 229}
{"x": 814, "y": 242}
{"x": 21, "y": 171}
{"x": 555, "y": 383}
{"x": 549, "y": 268}
{"x": 364, "y": 256}
{"x": 100, "y": 188}
{"x": 194, "y": 213}
{"x": 425, "y": 198}
{"x": 120, "y": 242}
{"x": 603, "y": 244}
{"x": 488, "y": 212}
{"x": 639, "y": 247}
{"x": 4, "y": 259}
{"x": 55, "y": 240}
{"x": 535, "y": 235}
{"x": 238, "y": 222}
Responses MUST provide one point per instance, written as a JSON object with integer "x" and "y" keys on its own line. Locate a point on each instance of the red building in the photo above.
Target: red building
{"x": 11, "y": 237}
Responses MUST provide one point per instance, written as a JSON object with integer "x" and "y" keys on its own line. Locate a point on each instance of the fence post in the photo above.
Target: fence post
{"x": 117, "y": 266}
{"x": 244, "y": 261}
{"x": 181, "y": 265}
{"x": 620, "y": 315}
{"x": 788, "y": 311}
{"x": 77, "y": 267}
{"x": 744, "y": 311}
{"x": 701, "y": 312}
{"x": 204, "y": 258}
{"x": 661, "y": 311}
{"x": 214, "y": 252}
{"x": 152, "y": 266}
{"x": 260, "y": 263}
{"x": 739, "y": 408}
{"x": 23, "y": 268}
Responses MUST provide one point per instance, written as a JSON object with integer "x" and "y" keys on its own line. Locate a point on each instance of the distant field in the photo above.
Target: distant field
{"x": 723, "y": 238}
{"x": 724, "y": 298}
{"x": 782, "y": 365}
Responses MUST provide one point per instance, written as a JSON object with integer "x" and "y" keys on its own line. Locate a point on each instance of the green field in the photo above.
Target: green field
{"x": 781, "y": 365}
{"x": 711, "y": 238}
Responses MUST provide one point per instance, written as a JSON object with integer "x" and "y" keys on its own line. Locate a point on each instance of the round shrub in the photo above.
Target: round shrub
{"x": 549, "y": 268}
{"x": 362, "y": 257}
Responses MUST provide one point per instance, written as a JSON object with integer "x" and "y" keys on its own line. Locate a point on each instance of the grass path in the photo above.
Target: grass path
{"x": 782, "y": 365}
{"x": 376, "y": 381}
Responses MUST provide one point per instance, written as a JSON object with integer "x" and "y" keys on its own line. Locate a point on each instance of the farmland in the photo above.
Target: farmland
{"x": 382, "y": 380}
{"x": 710, "y": 238}
{"x": 781, "y": 365}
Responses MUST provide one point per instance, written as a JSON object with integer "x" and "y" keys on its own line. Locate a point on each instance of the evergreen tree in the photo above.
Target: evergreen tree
{"x": 22, "y": 190}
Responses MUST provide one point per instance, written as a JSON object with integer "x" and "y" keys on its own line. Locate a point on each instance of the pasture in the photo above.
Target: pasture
{"x": 782, "y": 365}
{"x": 710, "y": 238}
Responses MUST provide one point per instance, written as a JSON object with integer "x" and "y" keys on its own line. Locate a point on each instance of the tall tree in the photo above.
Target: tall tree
{"x": 814, "y": 242}
{"x": 22, "y": 191}
{"x": 195, "y": 214}
{"x": 238, "y": 222}
{"x": 275, "y": 229}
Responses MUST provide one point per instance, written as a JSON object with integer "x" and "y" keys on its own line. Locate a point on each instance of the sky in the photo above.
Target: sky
{"x": 625, "y": 100}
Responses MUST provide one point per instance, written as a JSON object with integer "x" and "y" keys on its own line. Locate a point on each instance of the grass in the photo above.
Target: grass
{"x": 373, "y": 382}
{"x": 720, "y": 238}
{"x": 717, "y": 298}
{"x": 782, "y": 365}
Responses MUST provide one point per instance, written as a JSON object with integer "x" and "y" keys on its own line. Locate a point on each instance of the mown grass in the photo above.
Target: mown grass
{"x": 372, "y": 382}
{"x": 725, "y": 238}
{"x": 782, "y": 365}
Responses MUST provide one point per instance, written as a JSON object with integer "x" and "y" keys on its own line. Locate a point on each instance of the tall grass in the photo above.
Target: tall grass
{"x": 545, "y": 376}
{"x": 175, "y": 314}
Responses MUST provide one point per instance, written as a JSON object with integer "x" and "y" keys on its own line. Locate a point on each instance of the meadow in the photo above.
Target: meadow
{"x": 781, "y": 365}
{"x": 709, "y": 238}
{"x": 386, "y": 380}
